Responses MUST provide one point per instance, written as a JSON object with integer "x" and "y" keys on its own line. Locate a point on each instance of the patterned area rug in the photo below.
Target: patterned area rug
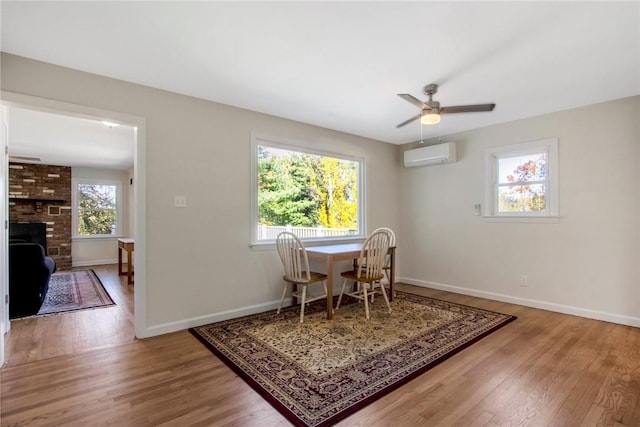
{"x": 74, "y": 290}
{"x": 321, "y": 371}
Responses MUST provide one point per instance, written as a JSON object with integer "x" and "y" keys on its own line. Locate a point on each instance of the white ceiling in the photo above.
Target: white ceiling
{"x": 68, "y": 141}
{"x": 340, "y": 65}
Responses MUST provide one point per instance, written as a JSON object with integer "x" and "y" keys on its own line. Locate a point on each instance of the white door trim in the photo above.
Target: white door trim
{"x": 5, "y": 325}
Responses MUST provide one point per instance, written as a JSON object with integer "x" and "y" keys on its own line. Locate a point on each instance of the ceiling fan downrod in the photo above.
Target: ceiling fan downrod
{"x": 430, "y": 90}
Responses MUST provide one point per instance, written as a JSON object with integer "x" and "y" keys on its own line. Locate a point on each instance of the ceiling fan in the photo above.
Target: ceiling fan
{"x": 431, "y": 110}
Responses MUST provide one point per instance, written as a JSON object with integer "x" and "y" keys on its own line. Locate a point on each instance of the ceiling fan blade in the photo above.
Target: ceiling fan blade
{"x": 415, "y": 101}
{"x": 409, "y": 121}
{"x": 467, "y": 108}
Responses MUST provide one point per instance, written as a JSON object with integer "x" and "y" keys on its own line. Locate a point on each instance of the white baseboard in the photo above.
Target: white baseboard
{"x": 544, "y": 305}
{"x": 95, "y": 262}
{"x": 193, "y": 322}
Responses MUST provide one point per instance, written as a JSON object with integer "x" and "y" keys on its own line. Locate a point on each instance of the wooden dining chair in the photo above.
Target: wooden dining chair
{"x": 369, "y": 270}
{"x": 296, "y": 270}
{"x": 386, "y": 267}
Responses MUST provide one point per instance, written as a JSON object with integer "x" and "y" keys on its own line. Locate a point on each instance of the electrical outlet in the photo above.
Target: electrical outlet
{"x": 524, "y": 280}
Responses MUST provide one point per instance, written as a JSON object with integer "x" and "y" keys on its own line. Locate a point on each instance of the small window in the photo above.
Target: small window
{"x": 314, "y": 195}
{"x": 521, "y": 180}
{"x": 96, "y": 208}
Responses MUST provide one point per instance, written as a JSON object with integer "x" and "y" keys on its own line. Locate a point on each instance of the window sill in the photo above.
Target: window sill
{"x": 103, "y": 237}
{"x": 270, "y": 245}
{"x": 553, "y": 219}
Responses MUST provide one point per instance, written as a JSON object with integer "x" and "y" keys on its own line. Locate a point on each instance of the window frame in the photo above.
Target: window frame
{"x": 76, "y": 182}
{"x": 300, "y": 147}
{"x": 494, "y": 154}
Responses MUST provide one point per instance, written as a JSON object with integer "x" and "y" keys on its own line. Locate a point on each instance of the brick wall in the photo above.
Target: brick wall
{"x": 42, "y": 193}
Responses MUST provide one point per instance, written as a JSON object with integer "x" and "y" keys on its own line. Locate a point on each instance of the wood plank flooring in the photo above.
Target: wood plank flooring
{"x": 544, "y": 369}
{"x": 44, "y": 337}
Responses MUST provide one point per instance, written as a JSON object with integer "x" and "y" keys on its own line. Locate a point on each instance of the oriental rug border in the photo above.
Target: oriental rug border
{"x": 74, "y": 290}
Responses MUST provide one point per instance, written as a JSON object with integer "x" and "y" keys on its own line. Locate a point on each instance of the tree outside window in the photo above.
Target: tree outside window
{"x": 97, "y": 209}
{"x": 522, "y": 183}
{"x": 522, "y": 180}
{"x": 312, "y": 195}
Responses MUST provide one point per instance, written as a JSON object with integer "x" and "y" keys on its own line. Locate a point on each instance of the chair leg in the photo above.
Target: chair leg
{"x": 366, "y": 300}
{"x": 324, "y": 285}
{"x": 284, "y": 293}
{"x": 304, "y": 297}
{"x": 344, "y": 283}
{"x": 386, "y": 299}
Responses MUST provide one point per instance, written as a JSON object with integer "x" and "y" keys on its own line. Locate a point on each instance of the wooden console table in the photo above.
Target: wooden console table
{"x": 127, "y": 245}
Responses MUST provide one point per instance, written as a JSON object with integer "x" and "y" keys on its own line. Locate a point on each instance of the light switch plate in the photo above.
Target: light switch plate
{"x": 180, "y": 201}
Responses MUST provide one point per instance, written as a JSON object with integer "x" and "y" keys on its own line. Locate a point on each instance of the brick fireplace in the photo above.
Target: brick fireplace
{"x": 42, "y": 194}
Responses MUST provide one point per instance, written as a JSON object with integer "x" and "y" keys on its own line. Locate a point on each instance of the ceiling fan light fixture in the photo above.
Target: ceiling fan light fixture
{"x": 430, "y": 110}
{"x": 430, "y": 119}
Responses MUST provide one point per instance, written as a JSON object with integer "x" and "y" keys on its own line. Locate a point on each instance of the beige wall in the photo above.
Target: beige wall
{"x": 198, "y": 260}
{"x": 586, "y": 264}
{"x": 102, "y": 250}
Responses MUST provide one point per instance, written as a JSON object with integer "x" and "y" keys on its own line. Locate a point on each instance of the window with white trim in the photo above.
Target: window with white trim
{"x": 97, "y": 208}
{"x": 314, "y": 194}
{"x": 522, "y": 180}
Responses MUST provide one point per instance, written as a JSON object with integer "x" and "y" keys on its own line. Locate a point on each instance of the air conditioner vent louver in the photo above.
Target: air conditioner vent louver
{"x": 430, "y": 155}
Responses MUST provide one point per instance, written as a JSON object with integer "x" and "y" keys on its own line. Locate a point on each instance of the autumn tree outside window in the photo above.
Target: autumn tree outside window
{"x": 315, "y": 195}
{"x": 522, "y": 180}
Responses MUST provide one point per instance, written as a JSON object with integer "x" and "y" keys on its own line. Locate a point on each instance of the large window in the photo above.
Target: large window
{"x": 314, "y": 195}
{"x": 522, "y": 180}
{"x": 96, "y": 208}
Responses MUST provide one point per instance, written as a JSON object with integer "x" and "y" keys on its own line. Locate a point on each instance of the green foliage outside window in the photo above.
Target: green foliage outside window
{"x": 300, "y": 189}
{"x": 97, "y": 211}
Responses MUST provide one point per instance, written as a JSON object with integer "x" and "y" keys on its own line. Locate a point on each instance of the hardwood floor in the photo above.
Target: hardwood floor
{"x": 44, "y": 337}
{"x": 544, "y": 369}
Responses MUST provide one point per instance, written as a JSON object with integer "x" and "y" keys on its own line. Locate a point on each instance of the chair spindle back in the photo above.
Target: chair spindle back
{"x": 293, "y": 256}
{"x": 373, "y": 254}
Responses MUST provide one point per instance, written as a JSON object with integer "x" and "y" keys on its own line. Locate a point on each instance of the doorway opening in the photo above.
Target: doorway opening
{"x": 88, "y": 249}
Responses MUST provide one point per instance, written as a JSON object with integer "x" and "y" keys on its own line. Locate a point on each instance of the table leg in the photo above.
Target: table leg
{"x": 354, "y": 286}
{"x": 392, "y": 273}
{"x": 129, "y": 267}
{"x": 120, "y": 272}
{"x": 329, "y": 288}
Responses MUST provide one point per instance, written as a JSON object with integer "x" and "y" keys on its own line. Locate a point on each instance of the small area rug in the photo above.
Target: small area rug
{"x": 74, "y": 290}
{"x": 319, "y": 372}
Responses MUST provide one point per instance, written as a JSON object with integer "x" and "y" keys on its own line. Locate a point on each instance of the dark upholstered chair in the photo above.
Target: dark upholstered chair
{"x": 29, "y": 274}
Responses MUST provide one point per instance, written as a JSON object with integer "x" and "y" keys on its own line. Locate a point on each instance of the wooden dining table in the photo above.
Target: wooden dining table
{"x": 343, "y": 252}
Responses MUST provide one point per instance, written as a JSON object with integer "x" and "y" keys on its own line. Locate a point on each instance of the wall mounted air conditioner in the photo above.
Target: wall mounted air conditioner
{"x": 431, "y": 155}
